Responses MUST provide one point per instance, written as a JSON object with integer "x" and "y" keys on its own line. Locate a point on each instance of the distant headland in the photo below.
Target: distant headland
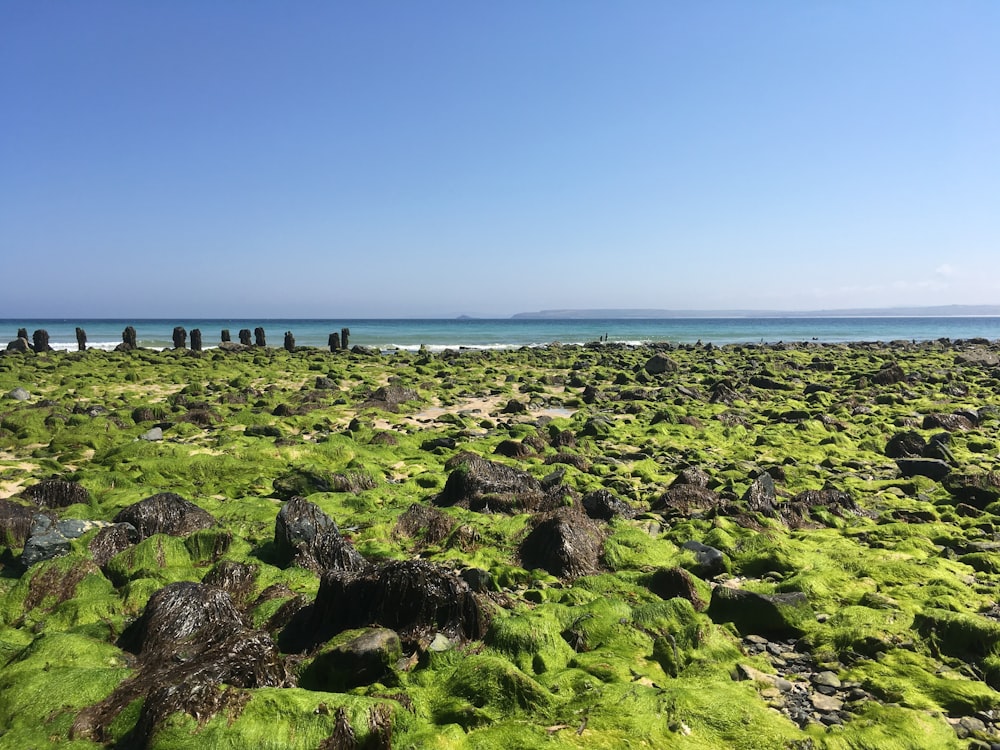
{"x": 866, "y": 312}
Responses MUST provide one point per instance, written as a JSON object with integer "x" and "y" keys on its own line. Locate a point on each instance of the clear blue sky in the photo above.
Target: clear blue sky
{"x": 435, "y": 158}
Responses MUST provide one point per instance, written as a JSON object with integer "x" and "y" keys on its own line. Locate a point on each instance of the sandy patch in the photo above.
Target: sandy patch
{"x": 481, "y": 407}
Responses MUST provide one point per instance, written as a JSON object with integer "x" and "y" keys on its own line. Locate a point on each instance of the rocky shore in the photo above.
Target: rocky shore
{"x": 603, "y": 546}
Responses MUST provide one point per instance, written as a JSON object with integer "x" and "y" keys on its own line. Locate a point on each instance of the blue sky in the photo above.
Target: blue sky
{"x": 383, "y": 159}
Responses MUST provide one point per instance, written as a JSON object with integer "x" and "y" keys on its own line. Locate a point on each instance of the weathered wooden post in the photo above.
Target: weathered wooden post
{"x": 40, "y": 341}
{"x": 225, "y": 336}
{"x": 258, "y": 334}
{"x": 196, "y": 339}
{"x": 289, "y": 342}
{"x": 128, "y": 338}
{"x": 344, "y": 334}
{"x": 245, "y": 336}
{"x": 81, "y": 339}
{"x": 333, "y": 341}
{"x": 180, "y": 337}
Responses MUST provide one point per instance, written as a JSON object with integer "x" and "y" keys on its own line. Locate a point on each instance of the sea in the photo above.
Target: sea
{"x": 506, "y": 333}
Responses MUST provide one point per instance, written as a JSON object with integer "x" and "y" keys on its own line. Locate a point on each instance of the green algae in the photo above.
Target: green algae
{"x": 599, "y": 662}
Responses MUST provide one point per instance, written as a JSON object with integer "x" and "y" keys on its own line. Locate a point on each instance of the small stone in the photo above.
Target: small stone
{"x": 757, "y": 640}
{"x": 827, "y": 679}
{"x": 972, "y": 724}
{"x": 440, "y": 643}
{"x": 152, "y": 435}
{"x": 826, "y": 703}
{"x": 19, "y": 394}
{"x": 831, "y": 719}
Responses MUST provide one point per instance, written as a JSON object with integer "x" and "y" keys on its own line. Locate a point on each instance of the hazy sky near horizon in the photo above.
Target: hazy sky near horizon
{"x": 384, "y": 159}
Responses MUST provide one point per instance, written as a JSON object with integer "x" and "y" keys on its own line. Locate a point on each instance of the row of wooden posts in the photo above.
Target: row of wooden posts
{"x": 40, "y": 339}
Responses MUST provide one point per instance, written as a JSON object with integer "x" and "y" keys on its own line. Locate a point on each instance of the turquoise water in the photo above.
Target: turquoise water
{"x": 506, "y": 333}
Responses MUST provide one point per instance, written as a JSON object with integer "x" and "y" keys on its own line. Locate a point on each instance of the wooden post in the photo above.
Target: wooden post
{"x": 40, "y": 341}
{"x": 225, "y": 336}
{"x": 258, "y": 334}
{"x": 180, "y": 337}
{"x": 333, "y": 341}
{"x": 128, "y": 337}
{"x": 81, "y": 339}
{"x": 344, "y": 334}
{"x": 289, "y": 342}
{"x": 196, "y": 339}
{"x": 245, "y": 336}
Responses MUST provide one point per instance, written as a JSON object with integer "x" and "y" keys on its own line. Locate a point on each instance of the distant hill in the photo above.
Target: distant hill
{"x": 939, "y": 311}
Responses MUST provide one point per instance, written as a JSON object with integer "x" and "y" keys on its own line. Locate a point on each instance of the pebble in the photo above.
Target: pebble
{"x": 826, "y": 702}
{"x": 826, "y": 679}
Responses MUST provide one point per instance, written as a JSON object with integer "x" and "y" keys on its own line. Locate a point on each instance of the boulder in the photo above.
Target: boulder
{"x": 708, "y": 561}
{"x": 659, "y": 364}
{"x": 40, "y": 341}
{"x": 49, "y": 539}
{"x": 563, "y": 542}
{"x": 889, "y": 374}
{"x": 687, "y": 500}
{"x": 933, "y": 468}
{"x": 603, "y": 505}
{"x": 56, "y": 493}
{"x": 949, "y": 422}
{"x": 15, "y": 523}
{"x": 111, "y": 540}
{"x": 416, "y": 598}
{"x": 18, "y": 394}
{"x": 976, "y": 489}
{"x": 165, "y": 513}
{"x": 306, "y": 536}
{"x": 363, "y": 658}
{"x": 769, "y": 615}
{"x": 760, "y": 495}
{"x": 425, "y": 521}
{"x": 190, "y": 642}
{"x": 20, "y": 344}
{"x": 482, "y": 485}
{"x": 670, "y": 583}
{"x": 909, "y": 444}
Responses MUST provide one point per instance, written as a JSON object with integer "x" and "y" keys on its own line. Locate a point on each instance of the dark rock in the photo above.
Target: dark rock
{"x": 598, "y": 427}
{"x": 49, "y": 538}
{"x": 165, "y": 513}
{"x": 907, "y": 444}
{"x": 262, "y": 430}
{"x": 389, "y": 397}
{"x": 289, "y": 342}
{"x": 592, "y": 395}
{"x": 306, "y": 536}
{"x": 513, "y": 449}
{"x": 81, "y": 339}
{"x": 514, "y": 406}
{"x": 978, "y": 489}
{"x": 415, "y": 598}
{"x": 15, "y": 523}
{"x": 22, "y": 333}
{"x": 603, "y": 505}
{"x": 235, "y": 578}
{"x": 259, "y": 339}
{"x": 245, "y": 336}
{"x": 20, "y": 344}
{"x": 345, "y": 335}
{"x": 333, "y": 341}
{"x": 190, "y": 642}
{"x": 724, "y": 393}
{"x": 196, "y": 339}
{"x": 56, "y": 493}
{"x": 772, "y": 615}
{"x": 687, "y": 500}
{"x": 692, "y": 475}
{"x": 709, "y": 561}
{"x": 658, "y": 364}
{"x": 426, "y": 522}
{"x": 760, "y": 495}
{"x": 950, "y": 422}
{"x": 441, "y": 442}
{"x": 770, "y": 384}
{"x": 477, "y": 483}
{"x": 563, "y": 542}
{"x": 111, "y": 540}
{"x": 366, "y": 658}
{"x": 224, "y": 336}
{"x": 669, "y": 583}
{"x": 938, "y": 447}
{"x": 933, "y": 468}
{"x": 890, "y": 374}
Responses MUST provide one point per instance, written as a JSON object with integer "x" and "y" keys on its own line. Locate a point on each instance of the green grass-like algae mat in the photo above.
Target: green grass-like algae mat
{"x": 894, "y": 585}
